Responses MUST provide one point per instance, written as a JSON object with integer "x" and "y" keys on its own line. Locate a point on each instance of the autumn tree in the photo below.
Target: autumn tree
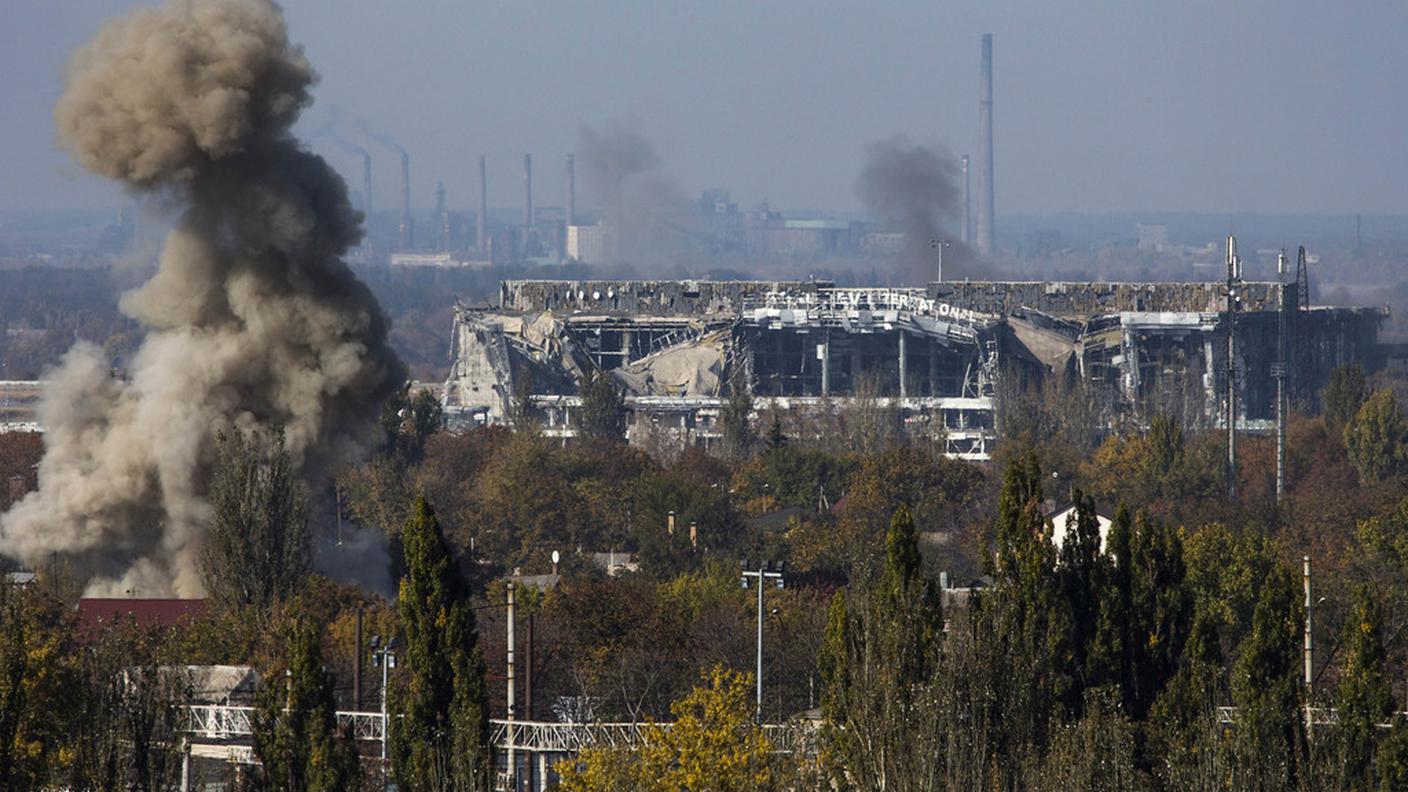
{"x": 1377, "y": 438}
{"x": 1345, "y": 393}
{"x": 260, "y": 548}
{"x": 36, "y": 688}
{"x": 440, "y": 739}
{"x": 296, "y": 736}
{"x": 712, "y": 746}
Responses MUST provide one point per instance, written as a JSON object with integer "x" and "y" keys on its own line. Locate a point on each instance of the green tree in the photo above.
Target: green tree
{"x": 1165, "y": 444}
{"x": 259, "y": 550}
{"x": 776, "y": 438}
{"x": 713, "y": 746}
{"x": 1376, "y": 438}
{"x": 1183, "y": 719}
{"x": 879, "y": 655}
{"x": 440, "y": 739}
{"x": 735, "y": 415}
{"x": 602, "y": 414}
{"x": 1345, "y": 393}
{"x": 1391, "y": 762}
{"x": 1364, "y": 698}
{"x": 126, "y": 730}
{"x": 296, "y": 737}
{"x": 1266, "y": 690}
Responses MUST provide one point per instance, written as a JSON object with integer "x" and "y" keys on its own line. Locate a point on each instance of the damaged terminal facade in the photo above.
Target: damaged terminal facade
{"x": 942, "y": 357}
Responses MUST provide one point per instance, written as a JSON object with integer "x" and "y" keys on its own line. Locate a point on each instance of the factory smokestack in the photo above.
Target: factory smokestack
{"x": 442, "y": 216}
{"x": 984, "y": 231}
{"x": 407, "y": 232}
{"x": 964, "y": 233}
{"x": 571, "y": 190}
{"x": 527, "y": 190}
{"x": 367, "y": 193}
{"x": 483, "y": 225}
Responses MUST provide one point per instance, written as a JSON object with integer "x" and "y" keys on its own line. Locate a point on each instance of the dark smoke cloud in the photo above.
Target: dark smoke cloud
{"x": 621, "y": 173}
{"x": 913, "y": 189}
{"x": 253, "y": 320}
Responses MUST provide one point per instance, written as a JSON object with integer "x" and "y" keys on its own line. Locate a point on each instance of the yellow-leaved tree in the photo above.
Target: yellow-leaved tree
{"x": 713, "y": 746}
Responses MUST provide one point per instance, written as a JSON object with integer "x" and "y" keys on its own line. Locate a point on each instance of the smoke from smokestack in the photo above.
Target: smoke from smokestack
{"x": 911, "y": 188}
{"x": 252, "y": 318}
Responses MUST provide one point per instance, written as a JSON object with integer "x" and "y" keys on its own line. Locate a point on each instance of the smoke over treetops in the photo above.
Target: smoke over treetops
{"x": 913, "y": 189}
{"x": 252, "y": 318}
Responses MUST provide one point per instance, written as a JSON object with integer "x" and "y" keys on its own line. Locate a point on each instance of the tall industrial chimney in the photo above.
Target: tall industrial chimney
{"x": 967, "y": 229}
{"x": 571, "y": 190}
{"x": 407, "y": 232}
{"x": 527, "y": 190}
{"x": 984, "y": 230}
{"x": 367, "y": 188}
{"x": 442, "y": 216}
{"x": 482, "y": 227}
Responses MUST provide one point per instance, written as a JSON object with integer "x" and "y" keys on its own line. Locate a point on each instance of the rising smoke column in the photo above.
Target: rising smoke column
{"x": 913, "y": 189}
{"x": 252, "y": 318}
{"x": 621, "y": 171}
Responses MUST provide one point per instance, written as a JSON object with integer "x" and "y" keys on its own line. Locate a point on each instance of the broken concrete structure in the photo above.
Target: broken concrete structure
{"x": 939, "y": 356}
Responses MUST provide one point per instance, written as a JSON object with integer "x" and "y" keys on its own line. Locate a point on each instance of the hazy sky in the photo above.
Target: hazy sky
{"x": 1267, "y": 106}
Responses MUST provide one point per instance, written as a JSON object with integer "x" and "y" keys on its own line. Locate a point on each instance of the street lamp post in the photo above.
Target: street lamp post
{"x": 767, "y": 570}
{"x": 939, "y": 245}
{"x": 385, "y": 657}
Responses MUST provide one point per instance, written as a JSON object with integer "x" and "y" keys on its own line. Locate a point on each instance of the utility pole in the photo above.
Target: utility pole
{"x": 1279, "y": 372}
{"x": 1234, "y": 277}
{"x": 386, "y": 658}
{"x": 1309, "y": 649}
{"x": 512, "y": 758}
{"x": 767, "y": 570}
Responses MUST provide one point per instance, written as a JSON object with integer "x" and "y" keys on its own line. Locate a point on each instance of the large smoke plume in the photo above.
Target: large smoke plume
{"x": 252, "y": 318}
{"x": 621, "y": 173}
{"x": 914, "y": 189}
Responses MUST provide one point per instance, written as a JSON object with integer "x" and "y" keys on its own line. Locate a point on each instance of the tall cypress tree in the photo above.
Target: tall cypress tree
{"x": 1364, "y": 698}
{"x": 1266, "y": 689}
{"x": 295, "y": 724}
{"x": 877, "y": 662}
{"x": 440, "y": 741}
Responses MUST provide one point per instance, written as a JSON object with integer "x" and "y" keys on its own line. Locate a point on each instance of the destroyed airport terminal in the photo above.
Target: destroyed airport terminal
{"x": 939, "y": 355}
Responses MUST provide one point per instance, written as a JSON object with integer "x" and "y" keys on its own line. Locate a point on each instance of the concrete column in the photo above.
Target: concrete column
{"x": 826, "y": 363}
{"x": 904, "y": 367}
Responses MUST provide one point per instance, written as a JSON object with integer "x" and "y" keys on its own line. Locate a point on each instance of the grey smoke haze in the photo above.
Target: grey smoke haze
{"x": 622, "y": 176}
{"x": 252, "y": 318}
{"x": 914, "y": 189}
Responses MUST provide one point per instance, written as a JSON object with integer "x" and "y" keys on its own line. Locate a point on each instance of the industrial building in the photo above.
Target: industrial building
{"x": 941, "y": 356}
